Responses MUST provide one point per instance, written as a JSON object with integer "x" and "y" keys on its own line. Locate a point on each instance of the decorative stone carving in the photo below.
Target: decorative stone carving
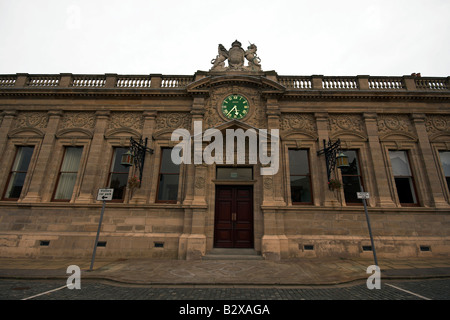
{"x": 85, "y": 120}
{"x": 132, "y": 120}
{"x": 199, "y": 182}
{"x": 235, "y": 57}
{"x": 298, "y": 122}
{"x": 437, "y": 123}
{"x": 345, "y": 122}
{"x": 173, "y": 120}
{"x": 268, "y": 183}
{"x": 33, "y": 119}
{"x": 394, "y": 123}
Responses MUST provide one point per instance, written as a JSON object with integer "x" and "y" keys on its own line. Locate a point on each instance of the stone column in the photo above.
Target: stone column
{"x": 326, "y": 196}
{"x": 195, "y": 200}
{"x": 95, "y": 162}
{"x": 274, "y": 243}
{"x": 143, "y": 194}
{"x": 6, "y": 126}
{"x": 430, "y": 170}
{"x": 45, "y": 152}
{"x": 382, "y": 194}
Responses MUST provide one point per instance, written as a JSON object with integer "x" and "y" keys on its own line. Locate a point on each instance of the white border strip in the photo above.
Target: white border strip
{"x": 40, "y": 294}
{"x": 414, "y": 294}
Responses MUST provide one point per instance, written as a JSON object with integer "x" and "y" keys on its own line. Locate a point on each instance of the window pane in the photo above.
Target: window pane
{"x": 168, "y": 187}
{"x": 405, "y": 190}
{"x": 65, "y": 186}
{"x": 72, "y": 159}
{"x": 399, "y": 162}
{"x": 167, "y": 166}
{"x": 351, "y": 187}
{"x": 298, "y": 162}
{"x": 445, "y": 161}
{"x": 118, "y": 181}
{"x": 353, "y": 163}
{"x": 19, "y": 172}
{"x": 69, "y": 171}
{"x": 300, "y": 189}
{"x": 234, "y": 173}
{"x": 116, "y": 166}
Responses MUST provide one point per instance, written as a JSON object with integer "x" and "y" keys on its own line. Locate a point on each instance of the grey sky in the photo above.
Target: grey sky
{"x": 393, "y": 37}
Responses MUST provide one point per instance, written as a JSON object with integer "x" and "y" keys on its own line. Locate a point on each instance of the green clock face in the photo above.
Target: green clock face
{"x": 235, "y": 106}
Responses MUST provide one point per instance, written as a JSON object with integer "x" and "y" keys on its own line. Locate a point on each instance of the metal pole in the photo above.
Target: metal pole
{"x": 370, "y": 229}
{"x": 98, "y": 233}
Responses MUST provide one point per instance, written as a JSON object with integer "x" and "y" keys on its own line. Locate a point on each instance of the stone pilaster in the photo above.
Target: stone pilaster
{"x": 327, "y": 197}
{"x": 45, "y": 152}
{"x": 95, "y": 162}
{"x": 430, "y": 170}
{"x": 382, "y": 194}
{"x": 144, "y": 193}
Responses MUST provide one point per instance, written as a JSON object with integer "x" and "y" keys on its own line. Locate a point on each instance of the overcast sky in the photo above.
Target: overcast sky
{"x": 174, "y": 37}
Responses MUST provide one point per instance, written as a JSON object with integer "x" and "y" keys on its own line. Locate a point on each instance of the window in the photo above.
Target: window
{"x": 404, "y": 181}
{"x": 300, "y": 177}
{"x": 168, "y": 178}
{"x": 445, "y": 161}
{"x": 351, "y": 178}
{"x": 68, "y": 173}
{"x": 18, "y": 172}
{"x": 118, "y": 174}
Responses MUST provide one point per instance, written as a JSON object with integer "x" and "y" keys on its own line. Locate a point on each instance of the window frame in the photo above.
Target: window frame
{"x": 59, "y": 174}
{"x": 10, "y": 172}
{"x": 157, "y": 200}
{"x": 411, "y": 177}
{"x": 360, "y": 178}
{"x": 308, "y": 157}
{"x": 110, "y": 173}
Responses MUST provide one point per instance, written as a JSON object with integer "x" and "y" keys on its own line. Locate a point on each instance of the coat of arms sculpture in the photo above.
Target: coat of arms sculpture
{"x": 236, "y": 57}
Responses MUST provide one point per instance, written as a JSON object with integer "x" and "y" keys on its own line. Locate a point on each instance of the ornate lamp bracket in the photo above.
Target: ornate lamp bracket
{"x": 138, "y": 149}
{"x": 331, "y": 150}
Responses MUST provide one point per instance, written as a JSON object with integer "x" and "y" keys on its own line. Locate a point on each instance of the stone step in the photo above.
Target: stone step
{"x": 232, "y": 254}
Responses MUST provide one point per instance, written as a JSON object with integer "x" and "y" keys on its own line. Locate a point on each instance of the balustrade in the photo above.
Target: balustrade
{"x": 43, "y": 81}
{"x": 7, "y": 80}
{"x": 91, "y": 81}
{"x": 133, "y": 82}
{"x": 386, "y": 83}
{"x": 431, "y": 84}
{"x": 340, "y": 83}
{"x": 296, "y": 82}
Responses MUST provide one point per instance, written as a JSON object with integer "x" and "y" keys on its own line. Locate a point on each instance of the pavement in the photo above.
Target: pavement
{"x": 292, "y": 272}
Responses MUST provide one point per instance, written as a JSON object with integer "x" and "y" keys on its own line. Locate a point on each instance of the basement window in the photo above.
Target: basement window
{"x": 159, "y": 244}
{"x": 44, "y": 243}
{"x": 367, "y": 248}
{"x": 425, "y": 248}
{"x": 308, "y": 247}
{"x": 101, "y": 244}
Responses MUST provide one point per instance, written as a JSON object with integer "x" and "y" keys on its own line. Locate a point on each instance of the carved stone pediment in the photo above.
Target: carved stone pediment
{"x": 261, "y": 83}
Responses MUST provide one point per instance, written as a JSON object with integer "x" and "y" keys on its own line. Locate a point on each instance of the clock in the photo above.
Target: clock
{"x": 235, "y": 106}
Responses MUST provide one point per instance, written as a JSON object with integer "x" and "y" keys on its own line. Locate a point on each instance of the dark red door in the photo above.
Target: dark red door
{"x": 233, "y": 226}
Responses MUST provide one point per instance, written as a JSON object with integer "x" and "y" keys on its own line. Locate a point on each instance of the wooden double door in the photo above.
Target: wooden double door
{"x": 233, "y": 226}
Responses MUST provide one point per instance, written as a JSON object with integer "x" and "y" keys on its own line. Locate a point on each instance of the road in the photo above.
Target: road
{"x": 432, "y": 289}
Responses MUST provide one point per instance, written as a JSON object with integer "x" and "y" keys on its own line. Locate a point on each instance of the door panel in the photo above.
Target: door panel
{"x": 234, "y": 217}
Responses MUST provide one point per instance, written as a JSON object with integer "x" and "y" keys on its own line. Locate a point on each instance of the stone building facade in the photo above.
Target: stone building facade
{"x": 61, "y": 138}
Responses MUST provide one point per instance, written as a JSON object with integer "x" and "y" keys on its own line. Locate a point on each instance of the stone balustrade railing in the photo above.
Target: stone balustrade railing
{"x": 314, "y": 82}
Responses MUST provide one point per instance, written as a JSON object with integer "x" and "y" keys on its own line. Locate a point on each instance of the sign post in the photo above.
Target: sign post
{"x": 103, "y": 195}
{"x": 365, "y": 195}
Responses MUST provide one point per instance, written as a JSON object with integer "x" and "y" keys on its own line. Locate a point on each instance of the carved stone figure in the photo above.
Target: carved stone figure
{"x": 219, "y": 61}
{"x": 254, "y": 62}
{"x": 236, "y": 57}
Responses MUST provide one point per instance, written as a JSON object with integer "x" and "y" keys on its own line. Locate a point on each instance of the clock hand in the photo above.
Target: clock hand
{"x": 231, "y": 110}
